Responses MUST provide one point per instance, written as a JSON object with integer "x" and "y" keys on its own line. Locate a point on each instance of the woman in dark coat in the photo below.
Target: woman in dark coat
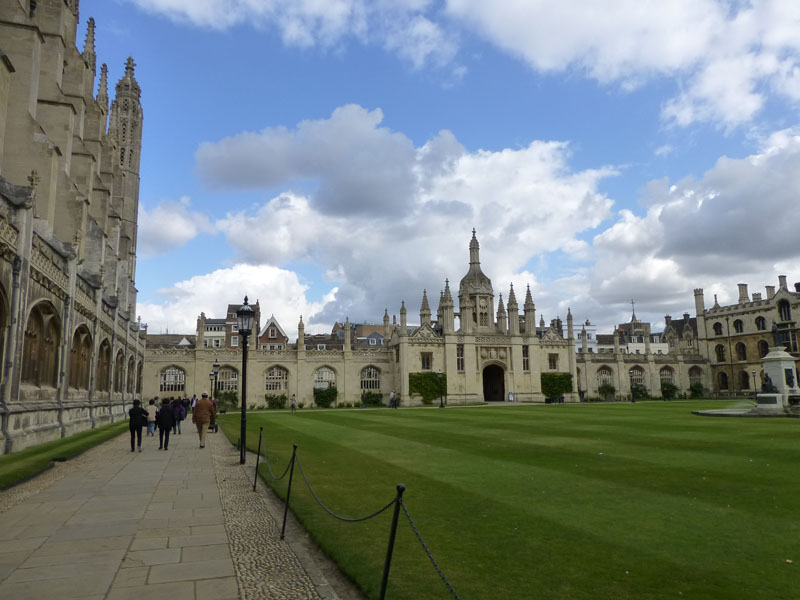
{"x": 165, "y": 421}
{"x": 179, "y": 413}
{"x": 138, "y": 420}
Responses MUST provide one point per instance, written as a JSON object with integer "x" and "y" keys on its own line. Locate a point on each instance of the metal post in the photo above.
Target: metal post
{"x": 755, "y": 390}
{"x": 392, "y": 533}
{"x": 288, "y": 493}
{"x": 243, "y": 434}
{"x": 258, "y": 456}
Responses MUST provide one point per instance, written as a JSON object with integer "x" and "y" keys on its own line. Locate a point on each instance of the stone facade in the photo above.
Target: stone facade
{"x": 488, "y": 349}
{"x": 71, "y": 345}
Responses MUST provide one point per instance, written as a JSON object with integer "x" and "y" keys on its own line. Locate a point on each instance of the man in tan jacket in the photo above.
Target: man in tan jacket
{"x": 201, "y": 416}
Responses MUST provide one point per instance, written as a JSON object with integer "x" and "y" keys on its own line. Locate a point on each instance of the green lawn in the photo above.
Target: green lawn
{"x": 615, "y": 500}
{"x": 21, "y": 465}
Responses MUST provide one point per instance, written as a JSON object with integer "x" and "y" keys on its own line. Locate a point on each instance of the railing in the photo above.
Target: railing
{"x": 396, "y": 502}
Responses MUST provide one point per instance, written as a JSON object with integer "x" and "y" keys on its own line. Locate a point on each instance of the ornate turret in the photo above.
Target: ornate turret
{"x": 403, "y": 318}
{"x": 570, "y": 329}
{"x": 513, "y": 312}
{"x": 347, "y": 334}
{"x": 301, "y": 337}
{"x": 530, "y": 313}
{"x": 477, "y": 287}
{"x": 448, "y": 313}
{"x": 502, "y": 323}
{"x": 439, "y": 308}
{"x": 425, "y": 310}
{"x": 387, "y": 331}
{"x": 584, "y": 341}
{"x": 126, "y": 117}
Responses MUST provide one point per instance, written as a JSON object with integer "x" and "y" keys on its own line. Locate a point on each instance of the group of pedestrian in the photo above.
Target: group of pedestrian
{"x": 167, "y": 416}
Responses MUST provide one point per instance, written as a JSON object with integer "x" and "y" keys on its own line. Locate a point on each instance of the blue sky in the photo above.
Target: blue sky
{"x": 331, "y": 158}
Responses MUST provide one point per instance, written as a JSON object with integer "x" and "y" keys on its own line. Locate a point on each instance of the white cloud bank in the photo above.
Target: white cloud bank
{"x": 727, "y": 58}
{"x": 168, "y": 226}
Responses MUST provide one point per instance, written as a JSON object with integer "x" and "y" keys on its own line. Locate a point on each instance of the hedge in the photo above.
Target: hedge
{"x": 427, "y": 385}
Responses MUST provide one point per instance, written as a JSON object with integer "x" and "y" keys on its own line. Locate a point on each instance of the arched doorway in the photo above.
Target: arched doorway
{"x": 494, "y": 389}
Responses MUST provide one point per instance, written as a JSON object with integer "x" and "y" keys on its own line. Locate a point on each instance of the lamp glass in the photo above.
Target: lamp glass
{"x": 245, "y": 316}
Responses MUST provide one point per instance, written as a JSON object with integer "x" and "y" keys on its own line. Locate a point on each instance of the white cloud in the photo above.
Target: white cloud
{"x": 278, "y": 291}
{"x": 168, "y": 226}
{"x": 388, "y": 219}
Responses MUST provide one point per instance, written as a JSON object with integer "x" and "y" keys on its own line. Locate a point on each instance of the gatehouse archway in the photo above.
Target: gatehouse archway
{"x": 494, "y": 389}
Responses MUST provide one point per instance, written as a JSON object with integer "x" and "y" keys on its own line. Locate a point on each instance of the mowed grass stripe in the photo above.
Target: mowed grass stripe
{"x": 505, "y": 523}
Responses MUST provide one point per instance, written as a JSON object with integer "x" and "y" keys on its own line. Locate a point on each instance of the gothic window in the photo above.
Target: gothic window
{"x": 744, "y": 380}
{"x": 717, "y": 328}
{"x": 118, "y": 365}
{"x": 738, "y": 326}
{"x": 784, "y": 311}
{"x": 763, "y": 348}
{"x": 173, "y": 379}
{"x": 604, "y": 376}
{"x": 324, "y": 378}
{"x": 667, "y": 375}
{"x": 277, "y": 378}
{"x": 139, "y": 379}
{"x": 370, "y": 378}
{"x": 723, "y": 381}
{"x": 741, "y": 351}
{"x": 426, "y": 360}
{"x": 81, "y": 359}
{"x": 720, "y": 352}
{"x": 484, "y": 319}
{"x": 228, "y": 380}
{"x": 122, "y": 157}
{"x": 131, "y": 376}
{"x": 102, "y": 383}
{"x": 636, "y": 375}
{"x": 526, "y": 360}
{"x": 552, "y": 362}
{"x": 695, "y": 375}
{"x": 40, "y": 350}
{"x": 459, "y": 357}
{"x": 761, "y": 323}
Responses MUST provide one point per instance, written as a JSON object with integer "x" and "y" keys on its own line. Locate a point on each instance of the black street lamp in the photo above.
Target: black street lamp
{"x": 211, "y": 377}
{"x": 441, "y": 393}
{"x": 245, "y": 316}
{"x": 215, "y": 371}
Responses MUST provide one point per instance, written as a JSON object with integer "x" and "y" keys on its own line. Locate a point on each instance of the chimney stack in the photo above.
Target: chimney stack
{"x": 782, "y": 282}
{"x": 743, "y": 297}
{"x": 770, "y": 292}
{"x": 797, "y": 286}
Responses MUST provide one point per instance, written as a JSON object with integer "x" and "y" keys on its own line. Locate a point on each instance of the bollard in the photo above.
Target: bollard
{"x": 258, "y": 455}
{"x": 400, "y": 489}
{"x": 288, "y": 493}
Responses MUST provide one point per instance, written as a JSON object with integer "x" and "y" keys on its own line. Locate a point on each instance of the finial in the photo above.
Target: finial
{"x": 88, "y": 46}
{"x": 245, "y": 300}
{"x": 102, "y": 87}
{"x": 34, "y": 179}
{"x": 129, "y": 66}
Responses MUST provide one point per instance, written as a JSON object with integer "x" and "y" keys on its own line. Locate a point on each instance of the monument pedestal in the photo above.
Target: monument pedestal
{"x": 780, "y": 381}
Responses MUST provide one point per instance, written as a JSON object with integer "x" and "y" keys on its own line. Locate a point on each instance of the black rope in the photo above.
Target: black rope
{"x": 269, "y": 468}
{"x": 328, "y": 510}
{"x": 428, "y": 552}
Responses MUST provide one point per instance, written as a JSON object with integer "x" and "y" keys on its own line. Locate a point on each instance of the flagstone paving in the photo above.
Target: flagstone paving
{"x": 177, "y": 524}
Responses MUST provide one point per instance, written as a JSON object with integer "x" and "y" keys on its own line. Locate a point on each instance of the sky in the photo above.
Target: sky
{"x": 330, "y": 158}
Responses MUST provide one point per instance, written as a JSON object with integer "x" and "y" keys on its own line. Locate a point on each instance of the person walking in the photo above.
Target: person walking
{"x": 392, "y": 400}
{"x": 152, "y": 411}
{"x": 294, "y": 403}
{"x": 201, "y": 417}
{"x": 166, "y": 421}
{"x": 179, "y": 413}
{"x": 138, "y": 420}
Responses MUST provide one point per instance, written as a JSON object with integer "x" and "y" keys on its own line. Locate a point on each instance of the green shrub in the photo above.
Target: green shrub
{"x": 555, "y": 385}
{"x": 638, "y": 392}
{"x": 227, "y": 400}
{"x": 371, "y": 398}
{"x": 668, "y": 390}
{"x": 696, "y": 390}
{"x": 275, "y": 401}
{"x": 607, "y": 391}
{"x": 325, "y": 397}
{"x": 427, "y": 385}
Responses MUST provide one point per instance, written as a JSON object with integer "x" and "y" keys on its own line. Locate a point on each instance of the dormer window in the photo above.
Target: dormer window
{"x": 272, "y": 332}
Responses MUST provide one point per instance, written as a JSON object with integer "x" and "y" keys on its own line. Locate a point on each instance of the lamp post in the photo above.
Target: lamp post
{"x": 441, "y": 394}
{"x": 245, "y": 317}
{"x": 211, "y": 377}
{"x": 755, "y": 389}
{"x": 215, "y": 371}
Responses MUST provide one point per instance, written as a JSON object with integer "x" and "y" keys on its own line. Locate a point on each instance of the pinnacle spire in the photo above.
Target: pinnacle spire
{"x": 88, "y": 46}
{"x": 448, "y": 297}
{"x": 528, "y": 297}
{"x": 500, "y": 306}
{"x": 102, "y": 88}
{"x": 512, "y": 298}
{"x": 128, "y": 84}
{"x": 425, "y": 305}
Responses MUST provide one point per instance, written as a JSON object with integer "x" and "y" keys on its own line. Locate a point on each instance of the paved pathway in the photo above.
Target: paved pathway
{"x": 146, "y": 525}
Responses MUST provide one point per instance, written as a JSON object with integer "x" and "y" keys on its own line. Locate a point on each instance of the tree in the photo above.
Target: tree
{"x": 555, "y": 385}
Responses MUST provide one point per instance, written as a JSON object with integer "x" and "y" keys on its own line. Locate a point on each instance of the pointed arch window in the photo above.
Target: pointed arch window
{"x": 103, "y": 383}
{"x": 723, "y": 381}
{"x": 695, "y": 375}
{"x": 738, "y": 326}
{"x": 744, "y": 380}
{"x": 667, "y": 375}
{"x": 277, "y": 378}
{"x": 131, "y": 376}
{"x": 717, "y": 328}
{"x": 636, "y": 375}
{"x": 139, "y": 378}
{"x": 761, "y": 323}
{"x": 763, "y": 348}
{"x": 720, "y": 352}
{"x": 172, "y": 379}
{"x": 784, "y": 310}
{"x": 604, "y": 376}
{"x": 119, "y": 365}
{"x": 40, "y": 349}
{"x": 370, "y": 378}
{"x": 80, "y": 359}
{"x": 324, "y": 378}
{"x": 741, "y": 351}
{"x": 228, "y": 380}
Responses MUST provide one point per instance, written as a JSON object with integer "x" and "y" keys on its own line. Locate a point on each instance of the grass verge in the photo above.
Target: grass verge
{"x": 19, "y": 466}
{"x": 581, "y": 501}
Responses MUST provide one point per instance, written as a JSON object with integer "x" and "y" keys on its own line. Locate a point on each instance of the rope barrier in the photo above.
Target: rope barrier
{"x": 269, "y": 468}
{"x": 329, "y": 511}
{"x": 428, "y": 552}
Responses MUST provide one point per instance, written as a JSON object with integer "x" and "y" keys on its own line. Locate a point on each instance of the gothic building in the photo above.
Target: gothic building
{"x": 488, "y": 348}
{"x": 72, "y": 349}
